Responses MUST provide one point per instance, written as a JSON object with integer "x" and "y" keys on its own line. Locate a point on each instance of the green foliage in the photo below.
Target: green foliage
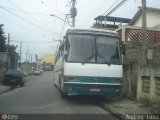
{"x": 12, "y": 48}
{"x": 3, "y": 45}
{"x": 2, "y": 39}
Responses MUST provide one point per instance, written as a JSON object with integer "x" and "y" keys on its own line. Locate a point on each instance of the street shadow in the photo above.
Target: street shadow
{"x": 84, "y": 99}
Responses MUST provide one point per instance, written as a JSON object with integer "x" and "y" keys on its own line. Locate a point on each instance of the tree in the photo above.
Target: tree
{"x": 2, "y": 39}
{"x": 12, "y": 48}
{"x": 3, "y": 45}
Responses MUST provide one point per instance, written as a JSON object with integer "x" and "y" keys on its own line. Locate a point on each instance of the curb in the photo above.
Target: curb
{"x": 28, "y": 78}
{"x": 7, "y": 88}
{"x": 113, "y": 111}
{"x": 4, "y": 89}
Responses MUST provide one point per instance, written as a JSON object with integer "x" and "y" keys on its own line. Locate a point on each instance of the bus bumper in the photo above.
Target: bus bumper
{"x": 92, "y": 89}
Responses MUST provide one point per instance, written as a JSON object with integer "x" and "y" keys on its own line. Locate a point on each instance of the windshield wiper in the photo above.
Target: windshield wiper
{"x": 106, "y": 61}
{"x": 93, "y": 53}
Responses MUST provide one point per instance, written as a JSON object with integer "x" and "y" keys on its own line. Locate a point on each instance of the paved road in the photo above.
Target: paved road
{"x": 39, "y": 96}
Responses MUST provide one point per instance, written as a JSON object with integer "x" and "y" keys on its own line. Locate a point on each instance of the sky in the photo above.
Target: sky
{"x": 29, "y": 21}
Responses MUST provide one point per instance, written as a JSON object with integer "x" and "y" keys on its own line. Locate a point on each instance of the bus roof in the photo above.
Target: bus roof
{"x": 92, "y": 30}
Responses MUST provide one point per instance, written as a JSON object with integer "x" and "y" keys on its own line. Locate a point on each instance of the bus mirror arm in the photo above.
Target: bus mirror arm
{"x": 65, "y": 54}
{"x": 123, "y": 49}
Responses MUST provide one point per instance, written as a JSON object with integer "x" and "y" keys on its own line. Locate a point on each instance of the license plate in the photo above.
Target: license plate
{"x": 95, "y": 89}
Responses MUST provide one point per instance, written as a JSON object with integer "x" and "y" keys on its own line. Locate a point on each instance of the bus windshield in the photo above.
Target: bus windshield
{"x": 97, "y": 49}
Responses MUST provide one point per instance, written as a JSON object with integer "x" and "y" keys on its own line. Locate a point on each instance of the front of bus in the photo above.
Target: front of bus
{"x": 92, "y": 64}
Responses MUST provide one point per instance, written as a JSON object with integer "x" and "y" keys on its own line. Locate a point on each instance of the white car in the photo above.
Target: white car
{"x": 41, "y": 71}
{"x": 37, "y": 72}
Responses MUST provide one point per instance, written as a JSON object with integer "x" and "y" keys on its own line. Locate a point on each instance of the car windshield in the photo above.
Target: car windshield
{"x": 93, "y": 49}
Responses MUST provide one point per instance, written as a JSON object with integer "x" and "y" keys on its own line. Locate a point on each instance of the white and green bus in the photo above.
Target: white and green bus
{"x": 89, "y": 62}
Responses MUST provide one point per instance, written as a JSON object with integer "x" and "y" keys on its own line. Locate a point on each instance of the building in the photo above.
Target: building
{"x": 142, "y": 79}
{"x": 47, "y": 62}
{"x": 109, "y": 22}
{"x": 152, "y": 18}
{"x": 48, "y": 58}
{"x": 7, "y": 61}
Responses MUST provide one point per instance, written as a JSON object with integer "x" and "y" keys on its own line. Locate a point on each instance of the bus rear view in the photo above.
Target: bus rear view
{"x": 91, "y": 63}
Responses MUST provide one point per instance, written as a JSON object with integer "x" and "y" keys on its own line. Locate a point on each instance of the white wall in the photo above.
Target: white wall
{"x": 153, "y": 19}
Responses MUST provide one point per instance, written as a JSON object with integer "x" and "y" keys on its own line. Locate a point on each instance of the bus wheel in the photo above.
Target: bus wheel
{"x": 55, "y": 83}
{"x": 63, "y": 95}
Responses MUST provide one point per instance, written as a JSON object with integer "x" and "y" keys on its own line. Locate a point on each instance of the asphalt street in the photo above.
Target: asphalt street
{"x": 40, "y": 96}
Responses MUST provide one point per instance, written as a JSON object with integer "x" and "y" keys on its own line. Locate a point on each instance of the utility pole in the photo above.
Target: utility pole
{"x": 144, "y": 32}
{"x": 20, "y": 52}
{"x": 36, "y": 61}
{"x": 73, "y": 11}
{"x": 8, "y": 42}
{"x": 27, "y": 54}
{"x": 31, "y": 58}
{"x": 8, "y": 62}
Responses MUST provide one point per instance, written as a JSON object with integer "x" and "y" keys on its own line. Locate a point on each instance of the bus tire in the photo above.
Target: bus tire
{"x": 63, "y": 95}
{"x": 55, "y": 83}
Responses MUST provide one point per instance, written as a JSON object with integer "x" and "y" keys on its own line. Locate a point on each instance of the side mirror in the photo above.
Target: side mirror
{"x": 61, "y": 47}
{"x": 65, "y": 53}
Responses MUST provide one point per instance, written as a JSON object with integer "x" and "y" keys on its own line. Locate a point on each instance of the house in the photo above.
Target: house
{"x": 152, "y": 18}
{"x": 142, "y": 79}
{"x": 7, "y": 61}
{"x": 48, "y": 58}
{"x": 109, "y": 22}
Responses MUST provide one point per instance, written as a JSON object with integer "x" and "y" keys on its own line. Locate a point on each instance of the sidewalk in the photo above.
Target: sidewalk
{"x": 126, "y": 107}
{"x": 7, "y": 88}
{"x": 4, "y": 88}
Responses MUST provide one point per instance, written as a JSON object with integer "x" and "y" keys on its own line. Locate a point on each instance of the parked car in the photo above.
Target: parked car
{"x": 41, "y": 71}
{"x": 37, "y": 72}
{"x": 14, "y": 77}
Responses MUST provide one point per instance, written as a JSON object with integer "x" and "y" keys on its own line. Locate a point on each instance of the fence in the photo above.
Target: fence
{"x": 143, "y": 80}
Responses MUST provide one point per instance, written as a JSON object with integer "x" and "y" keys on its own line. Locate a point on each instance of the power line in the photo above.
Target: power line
{"x": 26, "y": 33}
{"x": 31, "y": 23}
{"x": 117, "y": 6}
{"x": 44, "y": 3}
{"x": 13, "y": 23}
{"x": 93, "y": 13}
{"x": 64, "y": 25}
{"x": 47, "y": 42}
{"x": 122, "y": 13}
{"x": 33, "y": 42}
{"x": 110, "y": 7}
{"x": 24, "y": 11}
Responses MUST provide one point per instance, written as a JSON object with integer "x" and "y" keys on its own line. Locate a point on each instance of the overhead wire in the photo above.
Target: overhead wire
{"x": 110, "y": 7}
{"x": 32, "y": 41}
{"x": 122, "y": 13}
{"x": 31, "y": 17}
{"x": 29, "y": 22}
{"x": 117, "y": 6}
{"x": 22, "y": 10}
{"x": 64, "y": 25}
{"x": 45, "y": 4}
{"x": 11, "y": 22}
{"x": 26, "y": 12}
{"x": 93, "y": 13}
{"x": 26, "y": 33}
